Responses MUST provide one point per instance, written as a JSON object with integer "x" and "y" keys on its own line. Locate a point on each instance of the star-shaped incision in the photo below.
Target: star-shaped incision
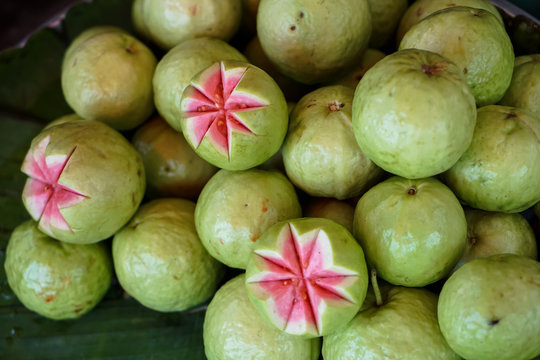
{"x": 212, "y": 104}
{"x": 300, "y": 281}
{"x": 43, "y": 195}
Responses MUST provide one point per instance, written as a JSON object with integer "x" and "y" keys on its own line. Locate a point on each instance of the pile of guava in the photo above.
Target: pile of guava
{"x": 333, "y": 179}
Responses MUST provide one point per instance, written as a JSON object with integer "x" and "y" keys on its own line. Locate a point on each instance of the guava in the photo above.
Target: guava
{"x": 236, "y": 207}
{"x": 249, "y": 17}
{"x": 501, "y": 168}
{"x": 172, "y": 167}
{"x": 313, "y": 41}
{"x": 413, "y": 113}
{"x": 337, "y": 210}
{"x": 178, "y": 66}
{"x": 170, "y": 22}
{"x": 394, "y": 323}
{"x": 107, "y": 76}
{"x": 369, "y": 58}
{"x": 234, "y": 115}
{"x": 385, "y": 17}
{"x": 159, "y": 259}
{"x": 85, "y": 181}
{"x": 413, "y": 231}
{"x": 476, "y": 41}
{"x": 320, "y": 153}
{"x": 491, "y": 233}
{"x": 53, "y": 278}
{"x": 422, "y": 8}
{"x": 233, "y": 330}
{"x": 490, "y": 308}
{"x": 524, "y": 89}
{"x": 307, "y": 276}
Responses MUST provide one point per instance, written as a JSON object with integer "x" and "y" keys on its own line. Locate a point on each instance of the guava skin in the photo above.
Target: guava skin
{"x": 313, "y": 41}
{"x": 159, "y": 259}
{"x": 236, "y": 207}
{"x": 172, "y": 167}
{"x": 179, "y": 65}
{"x": 233, "y": 329}
{"x": 490, "y": 308}
{"x": 107, "y": 76}
{"x": 320, "y": 153}
{"x": 337, "y": 210}
{"x": 494, "y": 174}
{"x": 404, "y": 327}
{"x": 413, "y": 114}
{"x": 413, "y": 231}
{"x": 524, "y": 89}
{"x": 55, "y": 279}
{"x": 369, "y": 58}
{"x": 96, "y": 191}
{"x": 385, "y": 17}
{"x": 475, "y": 41}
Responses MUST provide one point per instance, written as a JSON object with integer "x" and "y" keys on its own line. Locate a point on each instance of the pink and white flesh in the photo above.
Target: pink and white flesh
{"x": 43, "y": 195}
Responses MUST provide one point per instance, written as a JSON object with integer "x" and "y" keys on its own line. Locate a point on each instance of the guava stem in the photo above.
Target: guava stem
{"x": 375, "y": 286}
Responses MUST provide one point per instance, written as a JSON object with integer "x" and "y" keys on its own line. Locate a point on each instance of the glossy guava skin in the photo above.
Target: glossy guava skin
{"x": 412, "y": 231}
{"x": 53, "y": 278}
{"x": 107, "y": 76}
{"x": 413, "y": 114}
{"x": 490, "y": 308}
{"x": 313, "y": 41}
{"x": 172, "y": 167}
{"x": 236, "y": 207}
{"x": 179, "y": 65}
{"x": 475, "y": 41}
{"x": 320, "y": 153}
{"x": 501, "y": 168}
{"x": 404, "y": 327}
{"x": 344, "y": 252}
{"x": 524, "y": 89}
{"x": 233, "y": 329}
{"x": 105, "y": 167}
{"x": 159, "y": 259}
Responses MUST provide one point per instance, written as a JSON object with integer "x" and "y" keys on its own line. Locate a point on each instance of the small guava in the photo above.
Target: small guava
{"x": 159, "y": 259}
{"x": 85, "y": 181}
{"x": 53, "y": 278}
{"x": 339, "y": 211}
{"x": 385, "y": 17}
{"x": 307, "y": 276}
{"x": 236, "y": 207}
{"x": 490, "y": 308}
{"x": 233, "y": 330}
{"x": 107, "y": 76}
{"x": 524, "y": 89}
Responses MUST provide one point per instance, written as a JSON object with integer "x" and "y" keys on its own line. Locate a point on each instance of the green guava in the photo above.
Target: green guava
{"x": 85, "y": 181}
{"x": 159, "y": 259}
{"x": 501, "y": 168}
{"x": 53, "y": 278}
{"x": 369, "y": 58}
{"x": 233, "y": 329}
{"x": 385, "y": 17}
{"x": 107, "y": 76}
{"x": 312, "y": 41}
{"x": 524, "y": 89}
{"x": 168, "y": 23}
{"x": 413, "y": 231}
{"x": 178, "y": 66}
{"x": 490, "y": 308}
{"x": 320, "y": 153}
{"x": 307, "y": 276}
{"x": 172, "y": 167}
{"x": 236, "y": 207}
{"x": 473, "y": 39}
{"x": 413, "y": 114}
{"x": 337, "y": 210}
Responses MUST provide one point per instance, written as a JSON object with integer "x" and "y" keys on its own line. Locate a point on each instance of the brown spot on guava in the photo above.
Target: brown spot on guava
{"x": 419, "y": 12}
{"x": 465, "y": 70}
{"x": 139, "y": 173}
{"x": 335, "y": 106}
{"x": 473, "y": 240}
{"x": 301, "y": 15}
{"x": 193, "y": 10}
{"x": 89, "y": 302}
{"x": 77, "y": 310}
{"x": 49, "y": 298}
{"x": 293, "y": 28}
{"x": 511, "y": 115}
{"x": 130, "y": 49}
{"x": 176, "y": 277}
{"x": 311, "y": 105}
{"x": 451, "y": 4}
{"x": 135, "y": 224}
{"x": 432, "y": 69}
{"x": 493, "y": 322}
{"x": 264, "y": 207}
{"x": 221, "y": 241}
{"x": 255, "y": 238}
{"x": 412, "y": 190}
{"x": 134, "y": 199}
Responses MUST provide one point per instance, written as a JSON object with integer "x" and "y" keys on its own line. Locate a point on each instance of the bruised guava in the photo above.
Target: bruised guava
{"x": 107, "y": 76}
{"x": 172, "y": 167}
{"x": 234, "y": 115}
{"x": 85, "y": 181}
{"x": 413, "y": 231}
{"x": 524, "y": 89}
{"x": 236, "y": 207}
{"x": 233, "y": 330}
{"x": 307, "y": 276}
{"x": 178, "y": 66}
{"x": 159, "y": 259}
{"x": 53, "y": 278}
{"x": 501, "y": 168}
{"x": 320, "y": 153}
{"x": 413, "y": 113}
